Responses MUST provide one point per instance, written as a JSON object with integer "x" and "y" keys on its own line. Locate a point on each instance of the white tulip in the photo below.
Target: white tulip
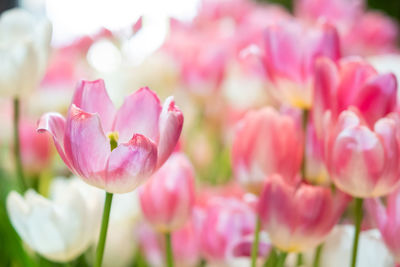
{"x": 62, "y": 227}
{"x": 24, "y": 51}
{"x": 337, "y": 250}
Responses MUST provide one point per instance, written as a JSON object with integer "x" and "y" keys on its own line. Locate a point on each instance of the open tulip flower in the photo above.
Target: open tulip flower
{"x": 387, "y": 220}
{"x": 290, "y": 53}
{"x": 299, "y": 217}
{"x": 364, "y": 161}
{"x": 143, "y": 132}
{"x": 266, "y": 142}
{"x": 352, "y": 82}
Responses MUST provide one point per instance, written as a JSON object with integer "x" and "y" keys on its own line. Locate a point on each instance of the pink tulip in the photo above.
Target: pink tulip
{"x": 265, "y": 143}
{"x": 300, "y": 217}
{"x": 147, "y": 134}
{"x": 167, "y": 199}
{"x": 202, "y": 68}
{"x": 36, "y": 149}
{"x": 185, "y": 245}
{"x": 352, "y": 82}
{"x": 290, "y": 53}
{"x": 225, "y": 222}
{"x": 338, "y": 12}
{"x": 370, "y": 34}
{"x": 364, "y": 161}
{"x": 387, "y": 220}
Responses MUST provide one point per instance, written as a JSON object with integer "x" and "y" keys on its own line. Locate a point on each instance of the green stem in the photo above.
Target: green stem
{"x": 17, "y": 147}
{"x": 272, "y": 258}
{"x": 103, "y": 231}
{"x": 299, "y": 261}
{"x": 168, "y": 250}
{"x": 304, "y": 124}
{"x": 317, "y": 256}
{"x": 358, "y": 218}
{"x": 282, "y": 259}
{"x": 254, "y": 248}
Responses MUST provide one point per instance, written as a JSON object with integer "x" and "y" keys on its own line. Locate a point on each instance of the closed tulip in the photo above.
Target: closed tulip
{"x": 24, "y": 51}
{"x": 266, "y": 142}
{"x": 352, "y": 82}
{"x": 290, "y": 53}
{"x": 387, "y": 220}
{"x": 62, "y": 227}
{"x": 299, "y": 217}
{"x": 36, "y": 150}
{"x": 145, "y": 134}
{"x": 364, "y": 161}
{"x": 168, "y": 197}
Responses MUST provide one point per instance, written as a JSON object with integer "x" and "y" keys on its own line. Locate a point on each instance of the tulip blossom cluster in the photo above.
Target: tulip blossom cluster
{"x": 252, "y": 136}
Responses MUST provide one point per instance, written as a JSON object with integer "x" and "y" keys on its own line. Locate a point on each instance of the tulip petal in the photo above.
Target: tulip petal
{"x": 358, "y": 157}
{"x": 91, "y": 96}
{"x": 130, "y": 164}
{"x": 171, "y": 122}
{"x": 54, "y": 123}
{"x": 86, "y": 146}
{"x": 139, "y": 114}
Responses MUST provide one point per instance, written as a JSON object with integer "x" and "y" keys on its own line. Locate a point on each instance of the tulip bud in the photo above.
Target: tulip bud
{"x": 363, "y": 161}
{"x": 168, "y": 197}
{"x": 290, "y": 53}
{"x": 351, "y": 82}
{"x": 24, "y": 51}
{"x": 265, "y": 143}
{"x": 298, "y": 218}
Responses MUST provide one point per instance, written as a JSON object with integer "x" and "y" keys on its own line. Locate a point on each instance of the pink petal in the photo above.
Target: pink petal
{"x": 130, "y": 164}
{"x": 171, "y": 122}
{"x": 377, "y": 98}
{"x": 283, "y": 55}
{"x": 91, "y": 96}
{"x": 86, "y": 146}
{"x": 54, "y": 123}
{"x": 377, "y": 210}
{"x": 139, "y": 114}
{"x": 325, "y": 82}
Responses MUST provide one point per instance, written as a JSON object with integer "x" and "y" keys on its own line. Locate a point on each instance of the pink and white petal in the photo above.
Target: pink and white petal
{"x": 139, "y": 114}
{"x": 130, "y": 164}
{"x": 54, "y": 123}
{"x": 86, "y": 146}
{"x": 171, "y": 122}
{"x": 92, "y": 97}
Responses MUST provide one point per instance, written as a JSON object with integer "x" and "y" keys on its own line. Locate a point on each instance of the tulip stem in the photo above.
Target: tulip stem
{"x": 304, "y": 125}
{"x": 299, "y": 261}
{"x": 358, "y": 218}
{"x": 17, "y": 147}
{"x": 168, "y": 250}
{"x": 272, "y": 258}
{"x": 282, "y": 259}
{"x": 254, "y": 248}
{"x": 317, "y": 256}
{"x": 103, "y": 230}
